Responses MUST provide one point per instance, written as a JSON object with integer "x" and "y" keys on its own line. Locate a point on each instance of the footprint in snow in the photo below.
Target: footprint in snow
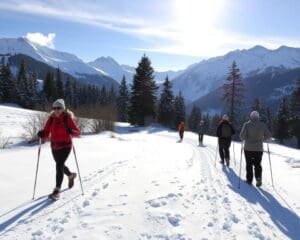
{"x": 86, "y": 203}
{"x": 104, "y": 185}
{"x": 174, "y": 220}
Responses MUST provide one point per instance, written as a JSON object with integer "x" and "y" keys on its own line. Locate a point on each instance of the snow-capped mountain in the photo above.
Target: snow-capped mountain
{"x": 67, "y": 62}
{"x": 205, "y": 76}
{"x": 110, "y": 67}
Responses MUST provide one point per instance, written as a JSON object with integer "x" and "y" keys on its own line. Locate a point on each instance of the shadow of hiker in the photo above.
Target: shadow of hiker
{"x": 22, "y": 216}
{"x": 285, "y": 219}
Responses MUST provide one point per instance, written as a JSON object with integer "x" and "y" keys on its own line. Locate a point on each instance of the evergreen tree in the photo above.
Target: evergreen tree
{"x": 111, "y": 98}
{"x": 281, "y": 128}
{"x": 32, "y": 89}
{"x": 295, "y": 112}
{"x": 166, "y": 105}
{"x": 75, "y": 88}
{"x": 179, "y": 109}
{"x": 103, "y": 96}
{"x": 259, "y": 106}
{"x": 68, "y": 91}
{"x": 59, "y": 84}
{"x": 143, "y": 93}
{"x": 214, "y": 124}
{"x": 22, "y": 85}
{"x": 233, "y": 93}
{"x": 194, "y": 118}
{"x": 123, "y": 101}
{"x": 49, "y": 87}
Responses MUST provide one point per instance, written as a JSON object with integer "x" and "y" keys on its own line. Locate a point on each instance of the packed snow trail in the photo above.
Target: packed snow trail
{"x": 144, "y": 184}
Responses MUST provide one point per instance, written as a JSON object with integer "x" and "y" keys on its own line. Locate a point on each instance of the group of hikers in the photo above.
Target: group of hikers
{"x": 254, "y": 132}
{"x": 61, "y": 128}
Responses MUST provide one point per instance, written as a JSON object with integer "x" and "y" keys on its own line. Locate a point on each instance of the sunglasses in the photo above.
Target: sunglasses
{"x": 56, "y": 108}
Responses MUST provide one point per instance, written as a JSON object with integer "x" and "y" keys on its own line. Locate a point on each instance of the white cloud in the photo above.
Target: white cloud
{"x": 40, "y": 38}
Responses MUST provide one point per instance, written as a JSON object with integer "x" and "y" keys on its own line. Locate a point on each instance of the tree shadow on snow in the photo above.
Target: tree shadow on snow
{"x": 284, "y": 218}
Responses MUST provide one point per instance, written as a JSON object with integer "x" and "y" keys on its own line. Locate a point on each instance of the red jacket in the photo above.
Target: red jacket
{"x": 181, "y": 127}
{"x": 59, "y": 135}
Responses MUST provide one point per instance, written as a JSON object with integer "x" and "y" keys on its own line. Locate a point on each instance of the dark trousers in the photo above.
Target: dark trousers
{"x": 224, "y": 145}
{"x": 201, "y": 137}
{"x": 181, "y": 134}
{"x": 60, "y": 156}
{"x": 253, "y": 159}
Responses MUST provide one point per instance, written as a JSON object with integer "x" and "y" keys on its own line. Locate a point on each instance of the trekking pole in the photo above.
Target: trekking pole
{"x": 270, "y": 165}
{"x": 241, "y": 159}
{"x": 74, "y": 151}
{"x": 233, "y": 154}
{"x": 37, "y": 167}
{"x": 216, "y": 154}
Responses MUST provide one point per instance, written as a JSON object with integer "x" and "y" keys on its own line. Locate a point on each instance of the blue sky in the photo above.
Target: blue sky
{"x": 174, "y": 33}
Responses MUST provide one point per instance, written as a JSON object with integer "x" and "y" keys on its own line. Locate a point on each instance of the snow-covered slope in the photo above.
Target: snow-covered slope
{"x": 67, "y": 62}
{"x": 200, "y": 79}
{"x": 143, "y": 184}
{"x": 112, "y": 68}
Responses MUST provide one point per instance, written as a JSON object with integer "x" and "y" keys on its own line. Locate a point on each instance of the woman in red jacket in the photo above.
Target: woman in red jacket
{"x": 61, "y": 128}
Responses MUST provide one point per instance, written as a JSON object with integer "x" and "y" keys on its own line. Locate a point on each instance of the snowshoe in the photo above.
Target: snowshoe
{"x": 55, "y": 194}
{"x": 71, "y": 180}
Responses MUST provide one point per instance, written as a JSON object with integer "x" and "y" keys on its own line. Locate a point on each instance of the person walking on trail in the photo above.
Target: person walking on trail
{"x": 225, "y": 131}
{"x": 61, "y": 127}
{"x": 201, "y": 131}
{"x": 181, "y": 128}
{"x": 254, "y": 133}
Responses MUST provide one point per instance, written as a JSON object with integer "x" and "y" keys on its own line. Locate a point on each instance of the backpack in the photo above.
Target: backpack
{"x": 226, "y": 131}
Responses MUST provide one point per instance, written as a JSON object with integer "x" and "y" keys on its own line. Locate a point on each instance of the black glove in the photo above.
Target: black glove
{"x": 70, "y": 131}
{"x": 41, "y": 134}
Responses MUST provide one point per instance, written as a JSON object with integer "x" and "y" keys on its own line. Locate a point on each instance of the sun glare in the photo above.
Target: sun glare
{"x": 196, "y": 20}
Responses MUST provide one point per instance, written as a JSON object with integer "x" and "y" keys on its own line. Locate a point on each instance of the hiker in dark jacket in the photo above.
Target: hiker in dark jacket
{"x": 254, "y": 133}
{"x": 225, "y": 132}
{"x": 61, "y": 127}
{"x": 201, "y": 131}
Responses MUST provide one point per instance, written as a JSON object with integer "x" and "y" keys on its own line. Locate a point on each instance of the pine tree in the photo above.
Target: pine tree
{"x": 123, "y": 101}
{"x": 103, "y": 96}
{"x": 49, "y": 87}
{"x": 259, "y": 106}
{"x": 233, "y": 92}
{"x": 143, "y": 93}
{"x": 295, "y": 112}
{"x": 179, "y": 109}
{"x": 69, "y": 92}
{"x": 59, "y": 84}
{"x": 111, "y": 98}
{"x": 194, "y": 118}
{"x": 22, "y": 85}
{"x": 32, "y": 90}
{"x": 166, "y": 105}
{"x": 281, "y": 128}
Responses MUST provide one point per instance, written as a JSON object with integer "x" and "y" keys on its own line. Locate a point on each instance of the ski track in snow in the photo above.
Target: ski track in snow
{"x": 193, "y": 200}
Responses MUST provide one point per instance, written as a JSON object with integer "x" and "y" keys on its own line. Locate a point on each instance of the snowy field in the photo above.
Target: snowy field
{"x": 144, "y": 184}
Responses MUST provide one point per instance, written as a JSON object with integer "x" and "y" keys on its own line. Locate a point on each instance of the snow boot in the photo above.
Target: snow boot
{"x": 227, "y": 162}
{"x": 248, "y": 182}
{"x": 222, "y": 161}
{"x": 258, "y": 182}
{"x": 71, "y": 179}
{"x": 55, "y": 194}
